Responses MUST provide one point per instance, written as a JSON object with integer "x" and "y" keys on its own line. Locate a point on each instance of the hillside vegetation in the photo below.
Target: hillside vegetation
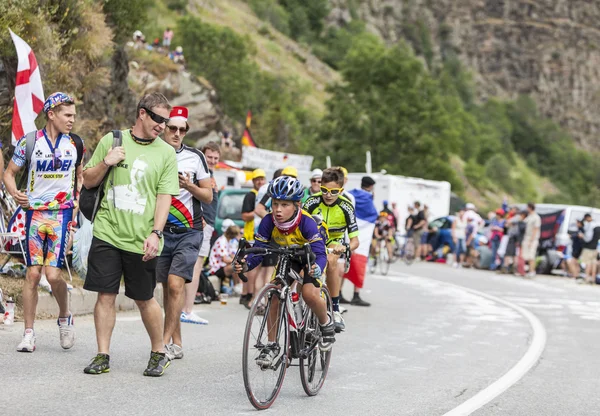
{"x": 418, "y": 117}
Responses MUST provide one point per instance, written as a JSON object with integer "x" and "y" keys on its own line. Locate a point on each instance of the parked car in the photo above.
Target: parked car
{"x": 230, "y": 206}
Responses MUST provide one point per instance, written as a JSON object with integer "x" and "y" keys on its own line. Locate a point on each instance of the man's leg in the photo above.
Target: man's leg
{"x": 59, "y": 290}
{"x": 105, "y": 316}
{"x": 192, "y": 288}
{"x": 152, "y": 318}
{"x": 174, "y": 303}
{"x": 30, "y": 294}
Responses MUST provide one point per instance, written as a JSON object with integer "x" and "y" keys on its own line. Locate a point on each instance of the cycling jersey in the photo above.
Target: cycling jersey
{"x": 186, "y": 211}
{"x": 52, "y": 171}
{"x": 383, "y": 227}
{"x": 339, "y": 217}
{"x": 306, "y": 232}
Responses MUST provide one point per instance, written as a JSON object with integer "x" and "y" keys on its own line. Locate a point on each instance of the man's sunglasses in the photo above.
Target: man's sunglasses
{"x": 333, "y": 192}
{"x": 315, "y": 180}
{"x": 155, "y": 117}
{"x": 182, "y": 130}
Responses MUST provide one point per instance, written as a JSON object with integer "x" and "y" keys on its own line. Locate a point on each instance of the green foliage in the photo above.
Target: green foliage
{"x": 225, "y": 59}
{"x": 125, "y": 17}
{"x": 476, "y": 175}
{"x": 221, "y": 56}
{"x": 177, "y": 5}
{"x": 272, "y": 12}
{"x": 333, "y": 46}
{"x": 391, "y": 106}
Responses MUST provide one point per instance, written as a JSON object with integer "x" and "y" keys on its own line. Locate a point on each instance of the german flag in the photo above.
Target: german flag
{"x": 247, "y": 139}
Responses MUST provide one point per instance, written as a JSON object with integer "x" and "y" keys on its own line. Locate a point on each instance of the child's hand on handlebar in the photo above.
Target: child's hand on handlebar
{"x": 315, "y": 271}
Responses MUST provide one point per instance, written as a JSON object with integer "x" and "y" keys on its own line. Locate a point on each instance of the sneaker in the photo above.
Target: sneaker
{"x": 174, "y": 352}
{"x": 357, "y": 301}
{"x": 344, "y": 301}
{"x": 100, "y": 364}
{"x": 28, "y": 342}
{"x": 192, "y": 318}
{"x": 530, "y": 274}
{"x": 267, "y": 356}
{"x": 66, "y": 328}
{"x": 343, "y": 310}
{"x": 327, "y": 335}
{"x": 157, "y": 365}
{"x": 339, "y": 323}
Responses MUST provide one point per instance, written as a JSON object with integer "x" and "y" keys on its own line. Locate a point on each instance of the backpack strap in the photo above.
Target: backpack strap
{"x": 29, "y": 145}
{"x": 80, "y": 148}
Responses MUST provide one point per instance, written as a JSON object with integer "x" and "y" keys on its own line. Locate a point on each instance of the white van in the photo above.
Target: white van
{"x": 572, "y": 213}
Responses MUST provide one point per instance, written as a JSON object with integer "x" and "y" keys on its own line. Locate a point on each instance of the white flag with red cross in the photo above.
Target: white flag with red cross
{"x": 29, "y": 93}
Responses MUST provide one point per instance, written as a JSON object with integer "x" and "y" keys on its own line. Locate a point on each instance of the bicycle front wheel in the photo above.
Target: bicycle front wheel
{"x": 266, "y": 344}
{"x": 315, "y": 364}
{"x": 409, "y": 252}
{"x": 384, "y": 259}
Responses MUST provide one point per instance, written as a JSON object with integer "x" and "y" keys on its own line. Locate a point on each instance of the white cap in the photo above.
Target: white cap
{"x": 226, "y": 224}
{"x": 317, "y": 173}
{"x": 470, "y": 206}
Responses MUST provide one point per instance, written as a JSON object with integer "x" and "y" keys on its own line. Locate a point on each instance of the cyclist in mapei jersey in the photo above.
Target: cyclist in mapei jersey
{"x": 338, "y": 213}
{"x": 289, "y": 226}
{"x": 53, "y": 177}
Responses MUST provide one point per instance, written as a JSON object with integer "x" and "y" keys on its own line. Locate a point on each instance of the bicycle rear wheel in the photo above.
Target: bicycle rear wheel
{"x": 384, "y": 259}
{"x": 409, "y": 252}
{"x": 315, "y": 365}
{"x": 263, "y": 383}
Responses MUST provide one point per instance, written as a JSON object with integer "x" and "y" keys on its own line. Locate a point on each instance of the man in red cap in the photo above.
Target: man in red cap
{"x": 183, "y": 231}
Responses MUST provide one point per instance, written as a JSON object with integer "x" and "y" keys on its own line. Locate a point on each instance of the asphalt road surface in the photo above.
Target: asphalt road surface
{"x": 436, "y": 341}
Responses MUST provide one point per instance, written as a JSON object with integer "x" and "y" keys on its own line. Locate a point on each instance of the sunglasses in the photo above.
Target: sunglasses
{"x": 333, "y": 192}
{"x": 56, "y": 159}
{"x": 182, "y": 130}
{"x": 155, "y": 117}
{"x": 315, "y": 180}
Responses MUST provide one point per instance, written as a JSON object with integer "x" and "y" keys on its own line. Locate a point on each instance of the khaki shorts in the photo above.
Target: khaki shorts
{"x": 417, "y": 237}
{"x": 529, "y": 251}
{"x": 588, "y": 256}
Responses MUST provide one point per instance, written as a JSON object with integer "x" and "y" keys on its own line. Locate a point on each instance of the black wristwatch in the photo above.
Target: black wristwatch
{"x": 159, "y": 233}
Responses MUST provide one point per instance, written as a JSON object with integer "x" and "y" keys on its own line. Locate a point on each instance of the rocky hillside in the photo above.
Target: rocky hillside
{"x": 545, "y": 48}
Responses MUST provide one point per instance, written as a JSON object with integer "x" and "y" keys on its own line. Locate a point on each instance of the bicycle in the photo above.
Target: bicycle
{"x": 295, "y": 337}
{"x": 406, "y": 251}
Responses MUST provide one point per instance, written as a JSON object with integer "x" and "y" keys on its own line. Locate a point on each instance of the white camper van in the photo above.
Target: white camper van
{"x": 404, "y": 191}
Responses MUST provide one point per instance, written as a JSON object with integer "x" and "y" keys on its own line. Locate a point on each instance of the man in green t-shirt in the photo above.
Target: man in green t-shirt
{"x": 128, "y": 226}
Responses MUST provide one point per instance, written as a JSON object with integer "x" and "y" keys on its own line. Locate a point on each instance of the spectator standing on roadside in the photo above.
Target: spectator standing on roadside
{"x": 212, "y": 154}
{"x": 589, "y": 254}
{"x": 497, "y": 232}
{"x": 53, "y": 170}
{"x": 512, "y": 225}
{"x": 315, "y": 184}
{"x": 531, "y": 240}
{"x": 366, "y": 216}
{"x": 459, "y": 237}
{"x": 128, "y": 227}
{"x": 418, "y": 228}
{"x": 183, "y": 232}
{"x": 167, "y": 38}
{"x": 248, "y": 208}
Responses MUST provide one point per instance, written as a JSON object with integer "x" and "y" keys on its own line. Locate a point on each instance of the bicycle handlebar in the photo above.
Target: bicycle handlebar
{"x": 244, "y": 250}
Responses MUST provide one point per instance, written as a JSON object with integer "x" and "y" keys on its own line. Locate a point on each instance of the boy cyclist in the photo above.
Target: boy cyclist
{"x": 289, "y": 226}
{"x": 338, "y": 214}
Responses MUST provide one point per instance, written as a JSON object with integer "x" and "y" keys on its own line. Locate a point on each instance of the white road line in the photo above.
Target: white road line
{"x": 522, "y": 367}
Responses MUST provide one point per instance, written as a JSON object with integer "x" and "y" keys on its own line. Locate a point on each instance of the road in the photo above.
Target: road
{"x": 435, "y": 338}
